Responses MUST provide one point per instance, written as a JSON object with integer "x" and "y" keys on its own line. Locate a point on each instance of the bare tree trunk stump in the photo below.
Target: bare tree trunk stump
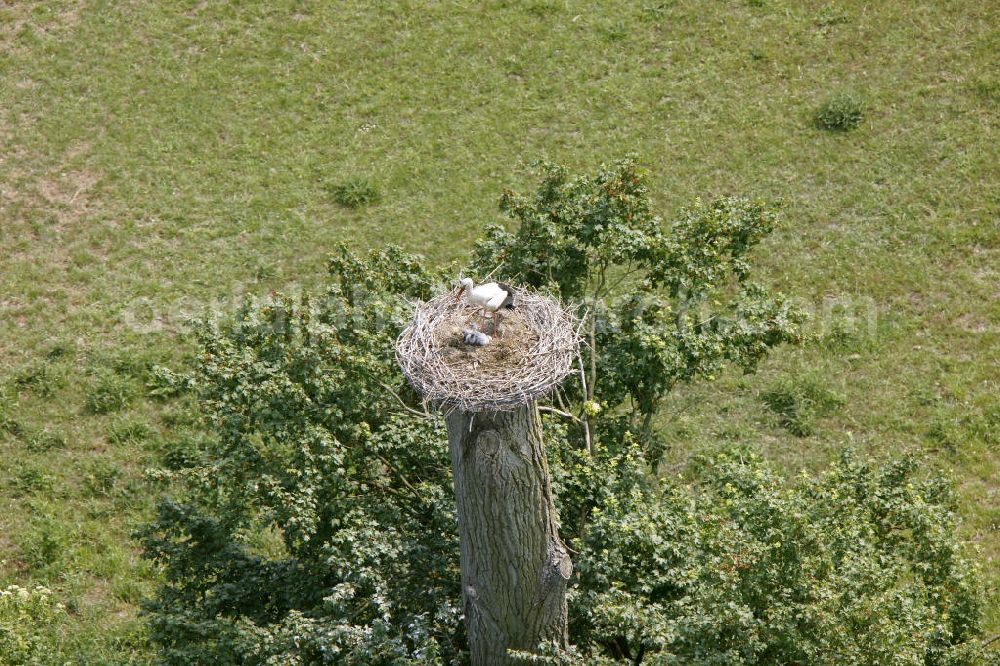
{"x": 514, "y": 567}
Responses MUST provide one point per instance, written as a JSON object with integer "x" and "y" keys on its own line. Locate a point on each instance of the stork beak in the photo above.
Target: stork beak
{"x": 458, "y": 295}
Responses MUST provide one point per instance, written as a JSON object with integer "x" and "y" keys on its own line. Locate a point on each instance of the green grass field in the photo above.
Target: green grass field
{"x": 161, "y": 158}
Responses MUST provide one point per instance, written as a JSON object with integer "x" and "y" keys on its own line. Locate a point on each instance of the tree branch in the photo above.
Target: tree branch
{"x": 617, "y": 283}
{"x": 558, "y": 412}
{"x": 423, "y": 415}
{"x": 414, "y": 493}
{"x": 490, "y": 274}
{"x": 593, "y": 357}
{"x": 586, "y": 419}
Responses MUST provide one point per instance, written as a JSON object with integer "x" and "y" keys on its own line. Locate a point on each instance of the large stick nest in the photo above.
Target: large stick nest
{"x": 535, "y": 350}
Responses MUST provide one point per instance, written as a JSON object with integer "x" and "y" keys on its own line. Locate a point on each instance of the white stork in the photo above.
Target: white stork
{"x": 491, "y": 297}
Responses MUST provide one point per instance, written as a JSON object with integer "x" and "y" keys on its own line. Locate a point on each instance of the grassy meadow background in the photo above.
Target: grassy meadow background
{"x": 161, "y": 158}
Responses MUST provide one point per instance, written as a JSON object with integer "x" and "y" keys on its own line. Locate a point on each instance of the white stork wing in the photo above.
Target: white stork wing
{"x": 497, "y": 300}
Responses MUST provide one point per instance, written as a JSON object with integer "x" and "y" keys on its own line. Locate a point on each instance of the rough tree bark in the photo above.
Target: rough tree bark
{"x": 514, "y": 566}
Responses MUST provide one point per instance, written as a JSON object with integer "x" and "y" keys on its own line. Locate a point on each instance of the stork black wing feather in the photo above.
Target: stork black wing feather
{"x": 508, "y": 303}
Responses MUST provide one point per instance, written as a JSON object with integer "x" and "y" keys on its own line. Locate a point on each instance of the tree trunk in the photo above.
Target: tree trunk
{"x": 514, "y": 567}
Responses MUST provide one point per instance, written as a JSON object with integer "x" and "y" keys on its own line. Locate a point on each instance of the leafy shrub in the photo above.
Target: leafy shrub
{"x": 264, "y": 271}
{"x": 974, "y": 425}
{"x": 310, "y": 441}
{"x": 60, "y": 349}
{"x": 24, "y": 615}
{"x": 799, "y": 402}
{"x": 42, "y": 544}
{"x": 831, "y": 16}
{"x": 988, "y": 90}
{"x": 615, "y": 32}
{"x": 30, "y": 480}
{"x": 39, "y": 378}
{"x": 128, "y": 431}
{"x": 128, "y": 590}
{"x": 840, "y": 112}
{"x": 860, "y": 565}
{"x": 11, "y": 425}
{"x": 844, "y": 337}
{"x": 542, "y": 8}
{"x": 184, "y": 451}
{"x": 355, "y": 192}
{"x": 109, "y": 392}
{"x": 179, "y": 416}
{"x": 686, "y": 306}
{"x": 135, "y": 363}
{"x": 46, "y": 440}
{"x": 101, "y": 478}
{"x": 984, "y": 425}
{"x": 8, "y": 423}
{"x": 317, "y": 524}
{"x": 165, "y": 383}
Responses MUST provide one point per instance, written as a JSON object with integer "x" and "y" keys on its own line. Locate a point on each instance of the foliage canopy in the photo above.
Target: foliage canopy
{"x": 315, "y": 523}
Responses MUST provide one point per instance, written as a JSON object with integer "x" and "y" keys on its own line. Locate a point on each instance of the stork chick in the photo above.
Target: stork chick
{"x": 475, "y": 337}
{"x": 471, "y": 336}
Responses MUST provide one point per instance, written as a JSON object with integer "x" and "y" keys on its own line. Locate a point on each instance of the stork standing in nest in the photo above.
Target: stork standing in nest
{"x": 491, "y": 297}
